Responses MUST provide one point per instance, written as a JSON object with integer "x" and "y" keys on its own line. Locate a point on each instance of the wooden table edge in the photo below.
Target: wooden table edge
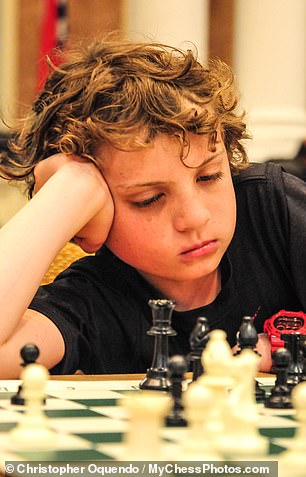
{"x": 120, "y": 377}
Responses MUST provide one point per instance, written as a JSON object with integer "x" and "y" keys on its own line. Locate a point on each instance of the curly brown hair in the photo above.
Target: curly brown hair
{"x": 125, "y": 93}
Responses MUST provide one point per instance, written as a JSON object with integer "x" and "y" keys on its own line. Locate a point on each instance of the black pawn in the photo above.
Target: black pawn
{"x": 177, "y": 368}
{"x": 29, "y": 354}
{"x": 247, "y": 338}
{"x": 198, "y": 340}
{"x": 280, "y": 393}
{"x": 293, "y": 344}
{"x": 157, "y": 375}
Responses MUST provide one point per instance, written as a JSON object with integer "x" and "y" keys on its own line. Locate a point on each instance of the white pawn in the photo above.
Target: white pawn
{"x": 197, "y": 444}
{"x": 217, "y": 361}
{"x": 293, "y": 461}
{"x": 146, "y": 413}
{"x": 241, "y": 437}
{"x": 32, "y": 431}
{"x": 217, "y": 356}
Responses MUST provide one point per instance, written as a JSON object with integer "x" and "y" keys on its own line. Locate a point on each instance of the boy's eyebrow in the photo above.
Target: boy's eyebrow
{"x": 156, "y": 183}
{"x": 145, "y": 184}
{"x": 206, "y": 161}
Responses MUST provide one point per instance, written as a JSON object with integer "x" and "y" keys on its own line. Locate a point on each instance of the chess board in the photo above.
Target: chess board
{"x": 91, "y": 425}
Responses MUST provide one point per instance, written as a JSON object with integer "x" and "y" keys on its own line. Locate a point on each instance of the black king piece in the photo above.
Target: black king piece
{"x": 157, "y": 375}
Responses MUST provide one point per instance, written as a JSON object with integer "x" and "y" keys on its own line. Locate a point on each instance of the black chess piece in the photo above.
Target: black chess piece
{"x": 280, "y": 397}
{"x": 157, "y": 375}
{"x": 177, "y": 368}
{"x": 198, "y": 340}
{"x": 293, "y": 342}
{"x": 29, "y": 354}
{"x": 247, "y": 338}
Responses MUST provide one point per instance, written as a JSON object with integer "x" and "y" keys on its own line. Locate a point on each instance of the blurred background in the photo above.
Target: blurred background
{"x": 263, "y": 40}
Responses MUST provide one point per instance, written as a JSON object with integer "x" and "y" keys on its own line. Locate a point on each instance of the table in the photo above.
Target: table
{"x": 83, "y": 410}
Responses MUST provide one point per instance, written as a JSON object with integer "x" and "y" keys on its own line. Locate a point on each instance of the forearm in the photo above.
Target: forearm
{"x": 30, "y": 241}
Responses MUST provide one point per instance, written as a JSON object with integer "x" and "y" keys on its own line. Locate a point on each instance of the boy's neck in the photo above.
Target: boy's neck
{"x": 189, "y": 295}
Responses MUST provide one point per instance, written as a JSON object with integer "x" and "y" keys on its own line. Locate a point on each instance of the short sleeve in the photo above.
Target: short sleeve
{"x": 68, "y": 302}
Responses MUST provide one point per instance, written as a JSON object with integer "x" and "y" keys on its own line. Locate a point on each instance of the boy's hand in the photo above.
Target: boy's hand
{"x": 46, "y": 168}
{"x": 264, "y": 349}
{"x": 95, "y": 231}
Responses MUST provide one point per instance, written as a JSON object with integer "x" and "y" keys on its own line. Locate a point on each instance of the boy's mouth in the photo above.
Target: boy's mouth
{"x": 200, "y": 248}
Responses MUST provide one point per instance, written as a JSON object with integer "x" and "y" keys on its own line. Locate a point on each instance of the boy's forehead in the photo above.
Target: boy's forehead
{"x": 107, "y": 153}
{"x": 164, "y": 148}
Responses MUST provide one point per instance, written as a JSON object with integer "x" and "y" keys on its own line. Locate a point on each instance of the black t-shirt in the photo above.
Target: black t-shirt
{"x": 100, "y": 304}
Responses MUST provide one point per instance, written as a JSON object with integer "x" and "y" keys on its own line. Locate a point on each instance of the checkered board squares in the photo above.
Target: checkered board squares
{"x": 90, "y": 424}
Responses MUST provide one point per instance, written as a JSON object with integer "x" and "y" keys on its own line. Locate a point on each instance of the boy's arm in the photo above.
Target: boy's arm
{"x": 92, "y": 235}
{"x": 35, "y": 328}
{"x": 75, "y": 198}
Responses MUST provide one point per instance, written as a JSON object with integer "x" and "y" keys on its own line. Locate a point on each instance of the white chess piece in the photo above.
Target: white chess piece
{"x": 197, "y": 444}
{"x": 292, "y": 463}
{"x": 146, "y": 414}
{"x": 32, "y": 431}
{"x": 217, "y": 361}
{"x": 241, "y": 437}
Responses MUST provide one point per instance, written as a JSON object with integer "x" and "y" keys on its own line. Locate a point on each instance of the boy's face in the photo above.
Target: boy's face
{"x": 171, "y": 223}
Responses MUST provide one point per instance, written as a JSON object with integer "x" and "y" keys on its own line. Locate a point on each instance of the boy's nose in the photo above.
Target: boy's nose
{"x": 190, "y": 215}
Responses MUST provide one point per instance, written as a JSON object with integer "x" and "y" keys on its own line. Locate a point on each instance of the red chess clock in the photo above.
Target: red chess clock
{"x": 284, "y": 322}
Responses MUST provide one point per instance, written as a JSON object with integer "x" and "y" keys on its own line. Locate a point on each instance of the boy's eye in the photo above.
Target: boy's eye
{"x": 147, "y": 202}
{"x": 212, "y": 177}
{"x": 157, "y": 197}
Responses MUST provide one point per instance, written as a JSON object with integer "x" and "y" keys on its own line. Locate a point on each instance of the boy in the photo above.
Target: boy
{"x": 136, "y": 153}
